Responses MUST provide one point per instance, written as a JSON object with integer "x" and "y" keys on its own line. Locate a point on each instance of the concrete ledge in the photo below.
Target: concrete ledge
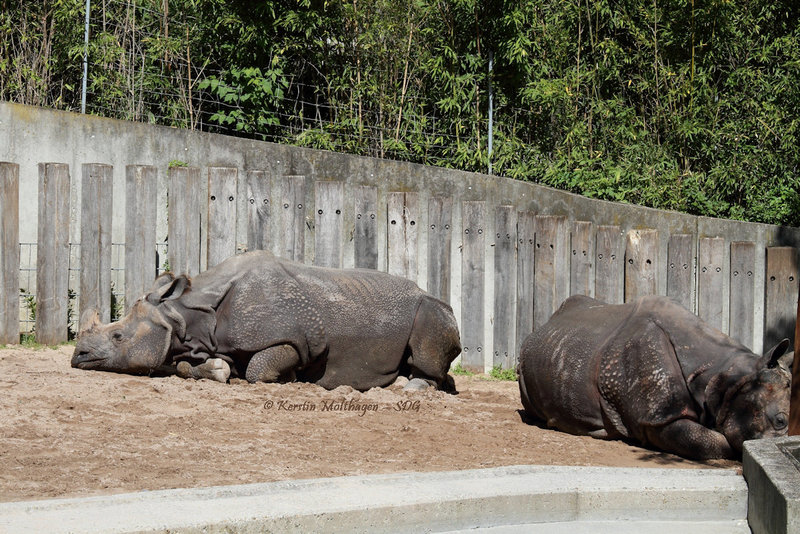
{"x": 772, "y": 470}
{"x": 423, "y": 502}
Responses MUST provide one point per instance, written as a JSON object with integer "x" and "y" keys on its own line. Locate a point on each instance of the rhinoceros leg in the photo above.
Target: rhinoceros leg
{"x": 213, "y": 369}
{"x": 434, "y": 343}
{"x": 273, "y": 364}
{"x": 690, "y": 439}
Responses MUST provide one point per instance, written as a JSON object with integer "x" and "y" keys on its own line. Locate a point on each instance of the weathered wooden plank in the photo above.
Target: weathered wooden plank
{"x": 551, "y": 267}
{"x": 259, "y": 209}
{"x": 96, "y": 200}
{"x": 141, "y": 201}
{"x": 329, "y": 225}
{"x": 402, "y": 211}
{"x": 365, "y": 233}
{"x": 641, "y": 259}
{"x": 680, "y": 269}
{"x": 440, "y": 237}
{"x": 582, "y": 259}
{"x": 473, "y": 270}
{"x": 9, "y": 253}
{"x": 610, "y": 268}
{"x": 505, "y": 287}
{"x": 781, "y": 295}
{"x": 526, "y": 239}
{"x": 710, "y": 280}
{"x": 184, "y": 219}
{"x": 52, "y": 275}
{"x": 222, "y": 187}
{"x": 743, "y": 287}
{"x": 293, "y": 217}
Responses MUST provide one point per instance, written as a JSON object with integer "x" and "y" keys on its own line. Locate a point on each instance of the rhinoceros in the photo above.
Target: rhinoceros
{"x": 267, "y": 319}
{"x": 653, "y": 372}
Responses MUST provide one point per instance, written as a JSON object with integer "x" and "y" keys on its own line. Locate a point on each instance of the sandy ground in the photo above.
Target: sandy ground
{"x": 66, "y": 432}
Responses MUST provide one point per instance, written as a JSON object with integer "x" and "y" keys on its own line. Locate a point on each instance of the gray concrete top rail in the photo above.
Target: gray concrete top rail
{"x": 407, "y": 502}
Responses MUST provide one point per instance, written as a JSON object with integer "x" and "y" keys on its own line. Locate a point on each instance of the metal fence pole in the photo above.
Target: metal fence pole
{"x": 85, "y": 56}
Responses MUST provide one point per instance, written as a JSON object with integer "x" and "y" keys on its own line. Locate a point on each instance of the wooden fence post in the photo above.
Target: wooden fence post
{"x": 710, "y": 278}
{"x": 184, "y": 214}
{"x": 794, "y": 400}
{"x": 505, "y": 287}
{"x": 222, "y": 187}
{"x": 365, "y": 232}
{"x": 9, "y": 253}
{"x": 551, "y": 267}
{"x": 581, "y": 267}
{"x": 440, "y": 238}
{"x": 742, "y": 292}
{"x": 782, "y": 287}
{"x": 526, "y": 238}
{"x": 259, "y": 210}
{"x": 141, "y": 202}
{"x": 293, "y": 217}
{"x": 640, "y": 264}
{"x": 402, "y": 211}
{"x": 96, "y": 199}
{"x": 52, "y": 276}
{"x": 473, "y": 271}
{"x": 328, "y": 228}
{"x": 610, "y": 269}
{"x": 680, "y": 269}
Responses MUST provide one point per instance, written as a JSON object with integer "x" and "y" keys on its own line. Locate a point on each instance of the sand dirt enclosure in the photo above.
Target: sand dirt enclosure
{"x": 66, "y": 432}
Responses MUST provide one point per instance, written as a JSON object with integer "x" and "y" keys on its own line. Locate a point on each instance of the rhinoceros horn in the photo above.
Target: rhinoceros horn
{"x": 89, "y": 319}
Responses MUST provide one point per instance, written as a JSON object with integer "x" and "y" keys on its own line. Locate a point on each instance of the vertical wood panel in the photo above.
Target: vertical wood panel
{"x": 259, "y": 209}
{"x": 293, "y": 217}
{"x": 641, "y": 262}
{"x": 141, "y": 198}
{"x": 222, "y": 187}
{"x": 582, "y": 259}
{"x": 52, "y": 275}
{"x": 9, "y": 253}
{"x": 184, "y": 219}
{"x": 365, "y": 234}
{"x": 473, "y": 270}
{"x": 680, "y": 269}
{"x": 743, "y": 286}
{"x": 781, "y": 295}
{"x": 402, "y": 211}
{"x": 710, "y": 280}
{"x": 526, "y": 239}
{"x": 505, "y": 290}
{"x": 96, "y": 200}
{"x": 610, "y": 269}
{"x": 551, "y": 267}
{"x": 440, "y": 237}
{"x": 328, "y": 234}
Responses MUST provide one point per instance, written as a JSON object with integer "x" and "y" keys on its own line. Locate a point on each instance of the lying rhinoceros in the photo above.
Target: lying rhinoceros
{"x": 268, "y": 319}
{"x": 653, "y": 372}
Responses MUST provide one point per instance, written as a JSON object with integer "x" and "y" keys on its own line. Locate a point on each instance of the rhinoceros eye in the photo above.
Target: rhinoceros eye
{"x": 117, "y": 336}
{"x": 780, "y": 421}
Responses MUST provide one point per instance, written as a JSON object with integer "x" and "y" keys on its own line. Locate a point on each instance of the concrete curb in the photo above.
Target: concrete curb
{"x": 420, "y": 502}
{"x": 772, "y": 470}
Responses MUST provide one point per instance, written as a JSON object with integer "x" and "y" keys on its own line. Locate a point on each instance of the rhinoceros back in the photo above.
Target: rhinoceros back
{"x": 559, "y": 365}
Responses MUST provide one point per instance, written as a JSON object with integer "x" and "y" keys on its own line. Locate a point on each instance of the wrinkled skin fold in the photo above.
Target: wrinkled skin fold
{"x": 266, "y": 319}
{"x": 651, "y": 371}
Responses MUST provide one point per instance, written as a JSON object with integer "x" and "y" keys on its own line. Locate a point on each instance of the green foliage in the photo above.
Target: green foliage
{"x": 459, "y": 370}
{"x": 498, "y": 373}
{"x": 677, "y": 105}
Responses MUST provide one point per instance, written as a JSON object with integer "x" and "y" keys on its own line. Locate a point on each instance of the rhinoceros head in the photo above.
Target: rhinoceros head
{"x": 137, "y": 343}
{"x": 757, "y": 405}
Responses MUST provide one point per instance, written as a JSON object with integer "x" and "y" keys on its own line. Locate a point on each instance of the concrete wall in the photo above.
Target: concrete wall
{"x": 30, "y": 135}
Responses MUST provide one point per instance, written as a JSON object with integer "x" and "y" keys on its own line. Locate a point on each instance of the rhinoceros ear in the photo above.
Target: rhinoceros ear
{"x": 778, "y": 356}
{"x": 167, "y": 287}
